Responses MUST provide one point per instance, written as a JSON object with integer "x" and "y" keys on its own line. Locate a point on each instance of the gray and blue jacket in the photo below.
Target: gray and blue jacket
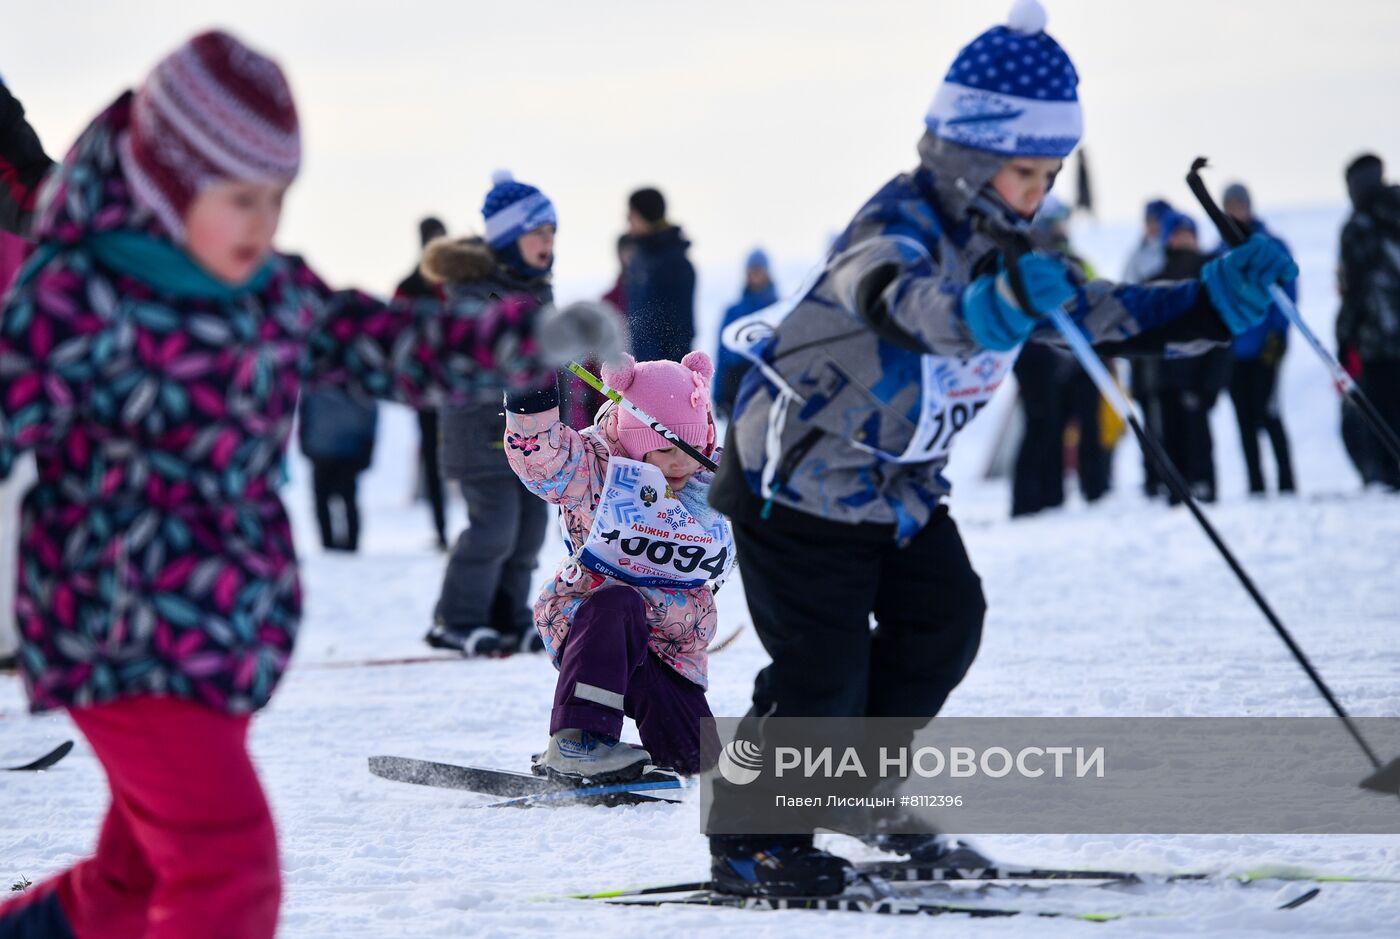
{"x": 866, "y": 382}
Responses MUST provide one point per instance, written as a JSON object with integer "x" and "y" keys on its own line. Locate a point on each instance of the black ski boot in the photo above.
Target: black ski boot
{"x": 472, "y": 642}
{"x": 931, "y": 849}
{"x": 776, "y": 866}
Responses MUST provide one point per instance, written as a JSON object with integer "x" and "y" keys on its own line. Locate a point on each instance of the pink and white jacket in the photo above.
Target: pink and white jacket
{"x": 568, "y": 467}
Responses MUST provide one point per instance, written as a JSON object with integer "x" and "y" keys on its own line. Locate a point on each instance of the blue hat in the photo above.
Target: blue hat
{"x": 1013, "y": 91}
{"x": 1157, "y": 210}
{"x": 513, "y": 209}
{"x": 757, "y": 258}
{"x": 1173, "y": 221}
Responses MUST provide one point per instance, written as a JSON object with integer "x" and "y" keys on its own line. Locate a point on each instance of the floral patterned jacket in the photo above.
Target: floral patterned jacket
{"x": 156, "y": 555}
{"x": 568, "y": 467}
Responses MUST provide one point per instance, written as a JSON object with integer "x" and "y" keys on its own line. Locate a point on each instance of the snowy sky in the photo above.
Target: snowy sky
{"x": 763, "y": 121}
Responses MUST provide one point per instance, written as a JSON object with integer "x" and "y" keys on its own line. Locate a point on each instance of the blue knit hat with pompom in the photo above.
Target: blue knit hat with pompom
{"x": 513, "y": 209}
{"x": 1012, "y": 90}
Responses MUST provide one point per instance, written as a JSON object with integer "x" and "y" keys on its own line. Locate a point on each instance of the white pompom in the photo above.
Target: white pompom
{"x": 501, "y": 176}
{"x": 1027, "y": 17}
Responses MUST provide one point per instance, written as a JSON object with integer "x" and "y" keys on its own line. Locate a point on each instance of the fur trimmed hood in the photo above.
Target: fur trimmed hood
{"x": 449, "y": 260}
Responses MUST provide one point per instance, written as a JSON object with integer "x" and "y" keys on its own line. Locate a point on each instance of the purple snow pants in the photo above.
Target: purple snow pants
{"x": 607, "y": 672}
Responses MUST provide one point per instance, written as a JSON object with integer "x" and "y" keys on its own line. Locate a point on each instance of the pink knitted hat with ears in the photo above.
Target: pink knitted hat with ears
{"x": 677, "y": 394}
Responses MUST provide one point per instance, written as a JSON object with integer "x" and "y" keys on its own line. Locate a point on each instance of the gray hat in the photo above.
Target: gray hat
{"x": 1235, "y": 192}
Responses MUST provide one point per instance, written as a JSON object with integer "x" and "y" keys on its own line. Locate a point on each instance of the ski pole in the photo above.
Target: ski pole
{"x": 615, "y": 396}
{"x": 1014, "y": 243}
{"x": 1346, "y": 386}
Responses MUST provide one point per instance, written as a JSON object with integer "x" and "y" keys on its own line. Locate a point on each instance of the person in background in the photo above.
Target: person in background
{"x": 578, "y": 401}
{"x": 1056, "y": 395}
{"x": 659, "y": 281}
{"x": 337, "y": 434}
{"x": 1189, "y": 385}
{"x": 414, "y": 287}
{"x": 1258, "y": 354}
{"x": 1144, "y": 264}
{"x": 484, "y": 606}
{"x": 1368, "y": 323}
{"x": 759, "y": 292}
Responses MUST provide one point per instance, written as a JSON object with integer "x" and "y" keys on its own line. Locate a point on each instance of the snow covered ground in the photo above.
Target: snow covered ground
{"x": 1117, "y": 609}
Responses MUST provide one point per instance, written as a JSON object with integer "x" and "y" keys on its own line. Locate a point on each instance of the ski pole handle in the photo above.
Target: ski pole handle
{"x": 615, "y": 396}
{"x": 1230, "y": 231}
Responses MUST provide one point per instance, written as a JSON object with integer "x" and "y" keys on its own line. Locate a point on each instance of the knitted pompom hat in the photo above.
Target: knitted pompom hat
{"x": 513, "y": 209}
{"x": 1012, "y": 91}
{"x": 676, "y": 394}
{"x": 213, "y": 110}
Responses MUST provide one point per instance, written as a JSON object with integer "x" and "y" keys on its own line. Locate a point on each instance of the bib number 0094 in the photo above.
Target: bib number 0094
{"x": 685, "y": 558}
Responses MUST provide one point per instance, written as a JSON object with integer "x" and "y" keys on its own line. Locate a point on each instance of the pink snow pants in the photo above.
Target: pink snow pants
{"x": 188, "y": 848}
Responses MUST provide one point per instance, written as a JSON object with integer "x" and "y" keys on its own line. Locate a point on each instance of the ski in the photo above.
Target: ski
{"x": 45, "y": 761}
{"x": 380, "y": 663}
{"x": 896, "y": 872}
{"x": 863, "y": 899}
{"x": 719, "y": 645}
{"x": 493, "y": 782}
{"x": 913, "y": 872}
{"x": 632, "y": 793}
{"x": 520, "y": 789}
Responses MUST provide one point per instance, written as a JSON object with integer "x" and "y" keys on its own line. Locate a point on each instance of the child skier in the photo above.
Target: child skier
{"x": 838, "y": 440}
{"x": 484, "y": 606}
{"x": 630, "y": 611}
{"x": 153, "y": 350}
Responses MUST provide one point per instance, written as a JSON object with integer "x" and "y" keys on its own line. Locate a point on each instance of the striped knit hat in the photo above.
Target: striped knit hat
{"x": 513, "y": 209}
{"x": 212, "y": 110}
{"x": 1011, "y": 91}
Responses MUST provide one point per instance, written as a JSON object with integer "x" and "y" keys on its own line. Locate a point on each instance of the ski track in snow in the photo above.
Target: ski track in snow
{"x": 1119, "y": 609}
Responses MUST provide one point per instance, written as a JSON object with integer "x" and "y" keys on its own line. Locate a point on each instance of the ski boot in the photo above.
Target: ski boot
{"x": 581, "y": 757}
{"x": 930, "y": 848}
{"x": 471, "y": 642}
{"x": 776, "y": 866}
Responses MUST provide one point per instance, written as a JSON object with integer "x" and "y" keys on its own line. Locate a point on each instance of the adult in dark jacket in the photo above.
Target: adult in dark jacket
{"x": 1188, "y": 386}
{"x": 337, "y": 435}
{"x": 759, "y": 292}
{"x": 485, "y": 606}
{"x": 1369, "y": 319}
{"x": 416, "y": 287}
{"x": 659, "y": 282}
{"x": 1258, "y": 355}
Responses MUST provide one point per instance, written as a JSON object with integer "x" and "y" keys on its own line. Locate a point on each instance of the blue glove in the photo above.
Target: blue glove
{"x": 1238, "y": 281}
{"x": 990, "y": 309}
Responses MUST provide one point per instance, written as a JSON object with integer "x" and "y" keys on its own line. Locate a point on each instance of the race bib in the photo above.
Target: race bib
{"x": 954, "y": 390}
{"x": 645, "y": 537}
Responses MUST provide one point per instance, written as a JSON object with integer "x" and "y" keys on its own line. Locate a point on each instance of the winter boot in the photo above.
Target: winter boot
{"x": 930, "y": 848}
{"x": 581, "y": 757}
{"x": 471, "y": 642}
{"x": 776, "y": 866}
